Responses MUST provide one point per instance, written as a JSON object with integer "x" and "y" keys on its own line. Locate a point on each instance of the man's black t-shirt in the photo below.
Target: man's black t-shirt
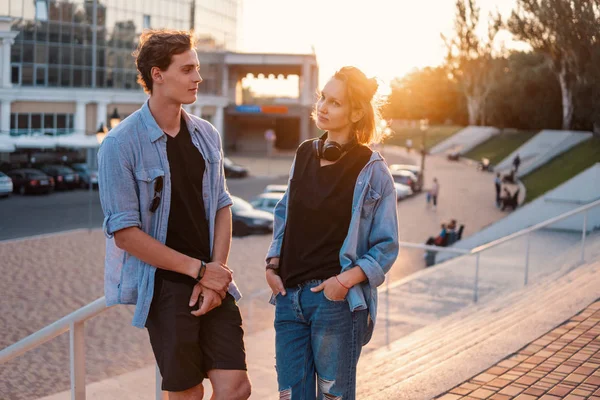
{"x": 319, "y": 213}
{"x": 187, "y": 231}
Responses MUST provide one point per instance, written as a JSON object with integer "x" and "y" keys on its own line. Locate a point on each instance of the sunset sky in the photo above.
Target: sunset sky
{"x": 385, "y": 38}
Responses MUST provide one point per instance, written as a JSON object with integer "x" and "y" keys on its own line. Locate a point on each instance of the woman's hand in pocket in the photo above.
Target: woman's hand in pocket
{"x": 332, "y": 289}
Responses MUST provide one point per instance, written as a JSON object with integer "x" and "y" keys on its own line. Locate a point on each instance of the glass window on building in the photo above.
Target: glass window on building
{"x": 15, "y": 70}
{"x": 41, "y": 10}
{"x": 40, "y": 75}
{"x": 41, "y": 123}
{"x": 27, "y": 75}
{"x": 64, "y": 35}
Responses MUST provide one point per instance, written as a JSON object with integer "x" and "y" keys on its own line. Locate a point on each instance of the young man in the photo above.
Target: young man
{"x": 168, "y": 224}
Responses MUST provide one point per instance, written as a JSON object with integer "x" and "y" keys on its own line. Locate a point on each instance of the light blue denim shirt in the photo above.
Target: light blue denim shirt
{"x": 372, "y": 240}
{"x": 132, "y": 156}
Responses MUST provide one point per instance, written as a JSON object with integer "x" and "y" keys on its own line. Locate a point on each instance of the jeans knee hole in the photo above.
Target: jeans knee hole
{"x": 285, "y": 394}
{"x": 325, "y": 386}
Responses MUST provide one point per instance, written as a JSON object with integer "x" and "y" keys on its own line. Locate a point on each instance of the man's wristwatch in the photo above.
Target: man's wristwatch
{"x": 201, "y": 271}
{"x": 274, "y": 267}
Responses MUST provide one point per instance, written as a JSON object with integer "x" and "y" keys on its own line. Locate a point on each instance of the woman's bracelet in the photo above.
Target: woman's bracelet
{"x": 344, "y": 286}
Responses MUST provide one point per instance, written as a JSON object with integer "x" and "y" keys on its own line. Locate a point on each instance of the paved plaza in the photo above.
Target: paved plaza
{"x": 562, "y": 364}
{"x": 45, "y": 278}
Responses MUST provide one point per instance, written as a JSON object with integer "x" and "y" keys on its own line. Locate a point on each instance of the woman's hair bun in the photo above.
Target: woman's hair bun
{"x": 373, "y": 85}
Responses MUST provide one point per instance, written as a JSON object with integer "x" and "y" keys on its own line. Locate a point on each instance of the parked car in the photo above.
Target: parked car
{"x": 64, "y": 177}
{"x": 402, "y": 191}
{"x": 6, "y": 185}
{"x": 275, "y": 188}
{"x": 86, "y": 174}
{"x": 31, "y": 180}
{"x": 407, "y": 167}
{"x": 407, "y": 178}
{"x": 266, "y": 201}
{"x": 233, "y": 170}
{"x": 247, "y": 220}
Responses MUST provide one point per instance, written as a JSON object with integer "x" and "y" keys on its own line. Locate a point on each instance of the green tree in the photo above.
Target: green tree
{"x": 426, "y": 93}
{"x": 525, "y": 95}
{"x": 566, "y": 32}
{"x": 469, "y": 57}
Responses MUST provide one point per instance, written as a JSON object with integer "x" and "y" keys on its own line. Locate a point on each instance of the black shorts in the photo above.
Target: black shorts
{"x": 186, "y": 347}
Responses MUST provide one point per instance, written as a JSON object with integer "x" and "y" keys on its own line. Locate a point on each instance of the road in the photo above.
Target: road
{"x": 22, "y": 216}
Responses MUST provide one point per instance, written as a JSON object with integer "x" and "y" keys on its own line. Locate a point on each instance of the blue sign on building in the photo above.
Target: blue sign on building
{"x": 248, "y": 109}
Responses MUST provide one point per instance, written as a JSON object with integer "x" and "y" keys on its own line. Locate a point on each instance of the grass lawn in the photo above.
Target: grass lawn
{"x": 498, "y": 147}
{"x": 435, "y": 134}
{"x": 562, "y": 168}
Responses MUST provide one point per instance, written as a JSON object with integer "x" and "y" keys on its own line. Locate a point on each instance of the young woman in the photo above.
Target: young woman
{"x": 335, "y": 237}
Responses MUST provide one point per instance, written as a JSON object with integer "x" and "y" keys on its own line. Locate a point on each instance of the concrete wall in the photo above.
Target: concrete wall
{"x": 580, "y": 190}
{"x": 541, "y": 148}
{"x": 42, "y": 107}
{"x": 465, "y": 140}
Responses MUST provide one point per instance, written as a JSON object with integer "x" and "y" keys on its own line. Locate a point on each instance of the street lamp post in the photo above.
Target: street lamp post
{"x": 423, "y": 126}
{"x": 115, "y": 119}
{"x": 100, "y": 135}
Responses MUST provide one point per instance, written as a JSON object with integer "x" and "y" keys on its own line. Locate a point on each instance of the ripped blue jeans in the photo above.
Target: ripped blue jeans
{"x": 317, "y": 345}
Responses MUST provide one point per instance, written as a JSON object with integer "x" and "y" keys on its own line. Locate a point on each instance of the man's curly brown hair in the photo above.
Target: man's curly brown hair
{"x": 156, "y": 49}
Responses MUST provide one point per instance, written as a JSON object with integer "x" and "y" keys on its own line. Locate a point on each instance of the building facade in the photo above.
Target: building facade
{"x": 66, "y": 66}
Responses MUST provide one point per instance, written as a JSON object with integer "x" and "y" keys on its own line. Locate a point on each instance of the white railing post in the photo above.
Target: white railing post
{"x": 476, "y": 287}
{"x": 527, "y": 258}
{"x": 387, "y": 311}
{"x": 77, "y": 350}
{"x": 583, "y": 236}
{"x": 159, "y": 394}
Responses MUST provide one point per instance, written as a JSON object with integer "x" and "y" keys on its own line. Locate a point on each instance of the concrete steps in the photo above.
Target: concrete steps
{"x": 428, "y": 361}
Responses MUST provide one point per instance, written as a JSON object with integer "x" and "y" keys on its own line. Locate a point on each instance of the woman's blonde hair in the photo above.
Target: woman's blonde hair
{"x": 361, "y": 94}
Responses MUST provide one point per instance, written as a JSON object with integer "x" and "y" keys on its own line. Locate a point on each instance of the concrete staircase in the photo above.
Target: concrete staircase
{"x": 444, "y": 354}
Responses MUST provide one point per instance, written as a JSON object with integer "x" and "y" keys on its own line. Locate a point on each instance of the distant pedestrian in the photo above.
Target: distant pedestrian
{"x": 498, "y": 185}
{"x": 516, "y": 163}
{"x": 435, "y": 191}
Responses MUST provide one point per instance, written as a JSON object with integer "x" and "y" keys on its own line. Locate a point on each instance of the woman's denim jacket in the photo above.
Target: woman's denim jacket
{"x": 132, "y": 156}
{"x": 372, "y": 240}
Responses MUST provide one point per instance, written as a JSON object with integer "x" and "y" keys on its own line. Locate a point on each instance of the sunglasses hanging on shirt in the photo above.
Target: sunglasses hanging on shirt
{"x": 158, "y": 187}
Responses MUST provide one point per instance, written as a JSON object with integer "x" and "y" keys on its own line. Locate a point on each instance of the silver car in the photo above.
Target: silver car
{"x": 267, "y": 201}
{"x": 402, "y": 191}
{"x": 6, "y": 185}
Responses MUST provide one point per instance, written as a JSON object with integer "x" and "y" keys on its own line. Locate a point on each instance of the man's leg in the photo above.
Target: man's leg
{"x": 222, "y": 342}
{"x": 195, "y": 393}
{"x": 229, "y": 384}
{"x": 174, "y": 336}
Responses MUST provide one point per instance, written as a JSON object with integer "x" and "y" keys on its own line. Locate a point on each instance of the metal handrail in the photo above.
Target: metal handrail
{"x": 53, "y": 330}
{"x": 411, "y": 245}
{"x": 535, "y": 227}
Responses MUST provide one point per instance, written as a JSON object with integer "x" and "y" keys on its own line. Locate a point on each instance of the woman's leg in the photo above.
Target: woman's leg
{"x": 337, "y": 339}
{"x": 293, "y": 352}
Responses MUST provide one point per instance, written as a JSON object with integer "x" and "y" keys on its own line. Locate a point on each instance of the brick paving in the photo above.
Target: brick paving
{"x": 562, "y": 364}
